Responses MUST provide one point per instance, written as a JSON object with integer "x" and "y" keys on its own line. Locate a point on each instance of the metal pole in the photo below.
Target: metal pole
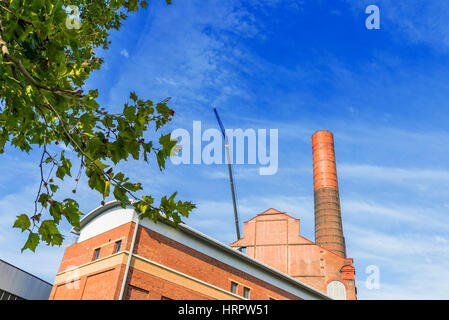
{"x": 236, "y": 218}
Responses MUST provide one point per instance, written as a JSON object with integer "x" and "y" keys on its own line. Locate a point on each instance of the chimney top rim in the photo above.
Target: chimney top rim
{"x": 322, "y": 132}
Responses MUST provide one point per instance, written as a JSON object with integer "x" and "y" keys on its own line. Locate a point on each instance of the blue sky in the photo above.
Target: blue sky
{"x": 296, "y": 66}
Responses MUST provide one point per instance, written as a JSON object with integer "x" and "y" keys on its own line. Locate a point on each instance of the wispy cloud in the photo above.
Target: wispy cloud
{"x": 124, "y": 53}
{"x": 370, "y": 172}
{"x": 411, "y": 266}
{"x": 419, "y": 21}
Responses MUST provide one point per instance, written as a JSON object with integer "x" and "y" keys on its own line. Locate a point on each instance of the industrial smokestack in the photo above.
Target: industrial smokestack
{"x": 328, "y": 226}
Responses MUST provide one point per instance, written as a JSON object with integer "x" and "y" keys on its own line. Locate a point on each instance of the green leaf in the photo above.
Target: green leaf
{"x": 22, "y": 222}
{"x": 60, "y": 172}
{"x": 184, "y": 208}
{"x": 133, "y": 95}
{"x": 15, "y": 5}
{"x": 53, "y": 187}
{"x": 119, "y": 176}
{"x": 107, "y": 187}
{"x": 32, "y": 242}
{"x": 132, "y": 186}
{"x": 36, "y": 5}
{"x": 148, "y": 199}
{"x": 56, "y": 210}
{"x": 101, "y": 164}
{"x": 49, "y": 233}
{"x": 71, "y": 212}
{"x": 129, "y": 112}
{"x": 64, "y": 168}
{"x": 120, "y": 195}
{"x": 43, "y": 199}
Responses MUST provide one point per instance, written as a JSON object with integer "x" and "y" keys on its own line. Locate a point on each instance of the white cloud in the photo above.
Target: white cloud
{"x": 412, "y": 266}
{"x": 389, "y": 213}
{"x": 364, "y": 208}
{"x": 124, "y": 53}
{"x": 441, "y": 240}
{"x": 202, "y": 58}
{"x": 371, "y": 172}
{"x": 394, "y": 245}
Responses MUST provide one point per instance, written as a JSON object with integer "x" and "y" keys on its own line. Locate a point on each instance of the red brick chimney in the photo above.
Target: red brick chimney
{"x": 328, "y": 226}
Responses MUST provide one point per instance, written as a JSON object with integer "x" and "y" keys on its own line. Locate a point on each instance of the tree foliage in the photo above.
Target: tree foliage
{"x": 46, "y": 57}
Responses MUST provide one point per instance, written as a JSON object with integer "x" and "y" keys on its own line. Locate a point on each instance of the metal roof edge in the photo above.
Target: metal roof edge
{"x": 30, "y": 274}
{"x": 251, "y": 260}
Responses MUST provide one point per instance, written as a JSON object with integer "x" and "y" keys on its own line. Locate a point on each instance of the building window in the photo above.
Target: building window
{"x": 165, "y": 298}
{"x": 96, "y": 254}
{"x": 8, "y": 296}
{"x": 246, "y": 292}
{"x": 118, "y": 244}
{"x": 234, "y": 287}
{"x": 336, "y": 290}
{"x": 243, "y": 250}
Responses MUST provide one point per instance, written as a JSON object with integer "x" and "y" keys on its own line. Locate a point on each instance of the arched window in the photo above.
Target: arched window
{"x": 336, "y": 290}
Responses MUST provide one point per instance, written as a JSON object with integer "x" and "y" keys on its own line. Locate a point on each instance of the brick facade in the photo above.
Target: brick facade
{"x": 161, "y": 269}
{"x": 273, "y": 238}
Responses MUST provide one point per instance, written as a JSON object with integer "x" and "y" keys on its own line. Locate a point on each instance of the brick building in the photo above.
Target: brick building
{"x": 167, "y": 263}
{"x": 114, "y": 259}
{"x": 273, "y": 238}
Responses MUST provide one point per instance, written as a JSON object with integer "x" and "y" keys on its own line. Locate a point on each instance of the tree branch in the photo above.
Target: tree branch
{"x": 29, "y": 77}
{"x": 39, "y": 85}
{"x": 7, "y": 10}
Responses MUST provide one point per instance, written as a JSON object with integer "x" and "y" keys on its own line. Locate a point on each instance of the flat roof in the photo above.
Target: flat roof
{"x": 30, "y": 274}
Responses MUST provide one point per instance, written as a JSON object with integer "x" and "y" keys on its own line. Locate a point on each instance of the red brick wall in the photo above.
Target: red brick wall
{"x": 285, "y": 250}
{"x": 106, "y": 284}
{"x": 172, "y": 254}
{"x": 83, "y": 252}
{"x": 67, "y": 291}
{"x": 156, "y": 288}
{"x": 136, "y": 293}
{"x": 100, "y": 285}
{"x": 94, "y": 286}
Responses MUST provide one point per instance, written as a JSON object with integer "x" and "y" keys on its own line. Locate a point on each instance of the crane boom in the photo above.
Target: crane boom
{"x": 236, "y": 218}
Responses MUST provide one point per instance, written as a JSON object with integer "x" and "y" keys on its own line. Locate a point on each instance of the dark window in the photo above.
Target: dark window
{"x": 246, "y": 292}
{"x": 118, "y": 244}
{"x": 234, "y": 287}
{"x": 243, "y": 250}
{"x": 165, "y": 298}
{"x": 8, "y": 296}
{"x": 272, "y": 298}
{"x": 4, "y": 295}
{"x": 97, "y": 253}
